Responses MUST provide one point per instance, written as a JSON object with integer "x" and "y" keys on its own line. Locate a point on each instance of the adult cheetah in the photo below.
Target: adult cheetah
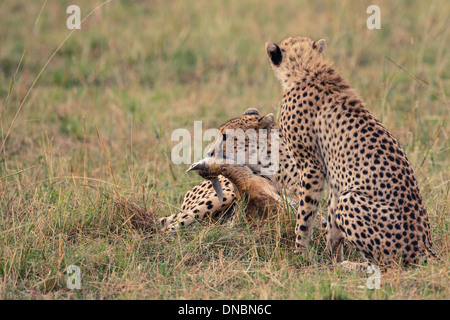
{"x": 227, "y": 182}
{"x": 254, "y": 138}
{"x": 374, "y": 197}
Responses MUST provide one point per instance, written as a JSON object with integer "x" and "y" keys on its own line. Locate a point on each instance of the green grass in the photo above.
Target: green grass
{"x": 99, "y": 119}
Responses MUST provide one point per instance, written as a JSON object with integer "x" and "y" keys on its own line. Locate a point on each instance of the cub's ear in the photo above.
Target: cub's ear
{"x": 251, "y": 111}
{"x": 320, "y": 45}
{"x": 266, "y": 121}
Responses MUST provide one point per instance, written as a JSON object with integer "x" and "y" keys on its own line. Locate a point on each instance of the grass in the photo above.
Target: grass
{"x": 90, "y": 146}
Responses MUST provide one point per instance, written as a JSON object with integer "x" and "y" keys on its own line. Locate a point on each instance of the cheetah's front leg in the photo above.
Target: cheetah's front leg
{"x": 310, "y": 193}
{"x": 335, "y": 236}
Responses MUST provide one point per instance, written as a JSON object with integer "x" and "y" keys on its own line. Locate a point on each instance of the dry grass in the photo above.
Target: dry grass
{"x": 86, "y": 165}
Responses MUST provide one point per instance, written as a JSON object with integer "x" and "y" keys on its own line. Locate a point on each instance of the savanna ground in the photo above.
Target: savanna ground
{"x": 88, "y": 150}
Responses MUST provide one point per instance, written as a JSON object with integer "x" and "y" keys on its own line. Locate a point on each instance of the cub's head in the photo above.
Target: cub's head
{"x": 291, "y": 58}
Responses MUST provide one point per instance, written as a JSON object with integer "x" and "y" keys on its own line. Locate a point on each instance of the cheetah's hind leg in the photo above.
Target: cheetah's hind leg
{"x": 380, "y": 231}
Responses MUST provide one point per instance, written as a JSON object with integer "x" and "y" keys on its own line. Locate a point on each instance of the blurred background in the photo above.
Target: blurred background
{"x": 102, "y": 111}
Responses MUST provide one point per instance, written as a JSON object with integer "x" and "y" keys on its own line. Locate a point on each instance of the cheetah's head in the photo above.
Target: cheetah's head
{"x": 243, "y": 140}
{"x": 293, "y": 57}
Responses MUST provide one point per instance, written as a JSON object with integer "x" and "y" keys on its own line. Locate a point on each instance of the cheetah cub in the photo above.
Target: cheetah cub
{"x": 374, "y": 199}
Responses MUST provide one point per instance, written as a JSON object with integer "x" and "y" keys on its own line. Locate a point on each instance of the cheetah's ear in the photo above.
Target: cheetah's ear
{"x": 251, "y": 111}
{"x": 274, "y": 53}
{"x": 266, "y": 121}
{"x": 320, "y": 45}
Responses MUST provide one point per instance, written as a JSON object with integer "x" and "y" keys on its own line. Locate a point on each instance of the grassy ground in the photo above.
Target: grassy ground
{"x": 98, "y": 122}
